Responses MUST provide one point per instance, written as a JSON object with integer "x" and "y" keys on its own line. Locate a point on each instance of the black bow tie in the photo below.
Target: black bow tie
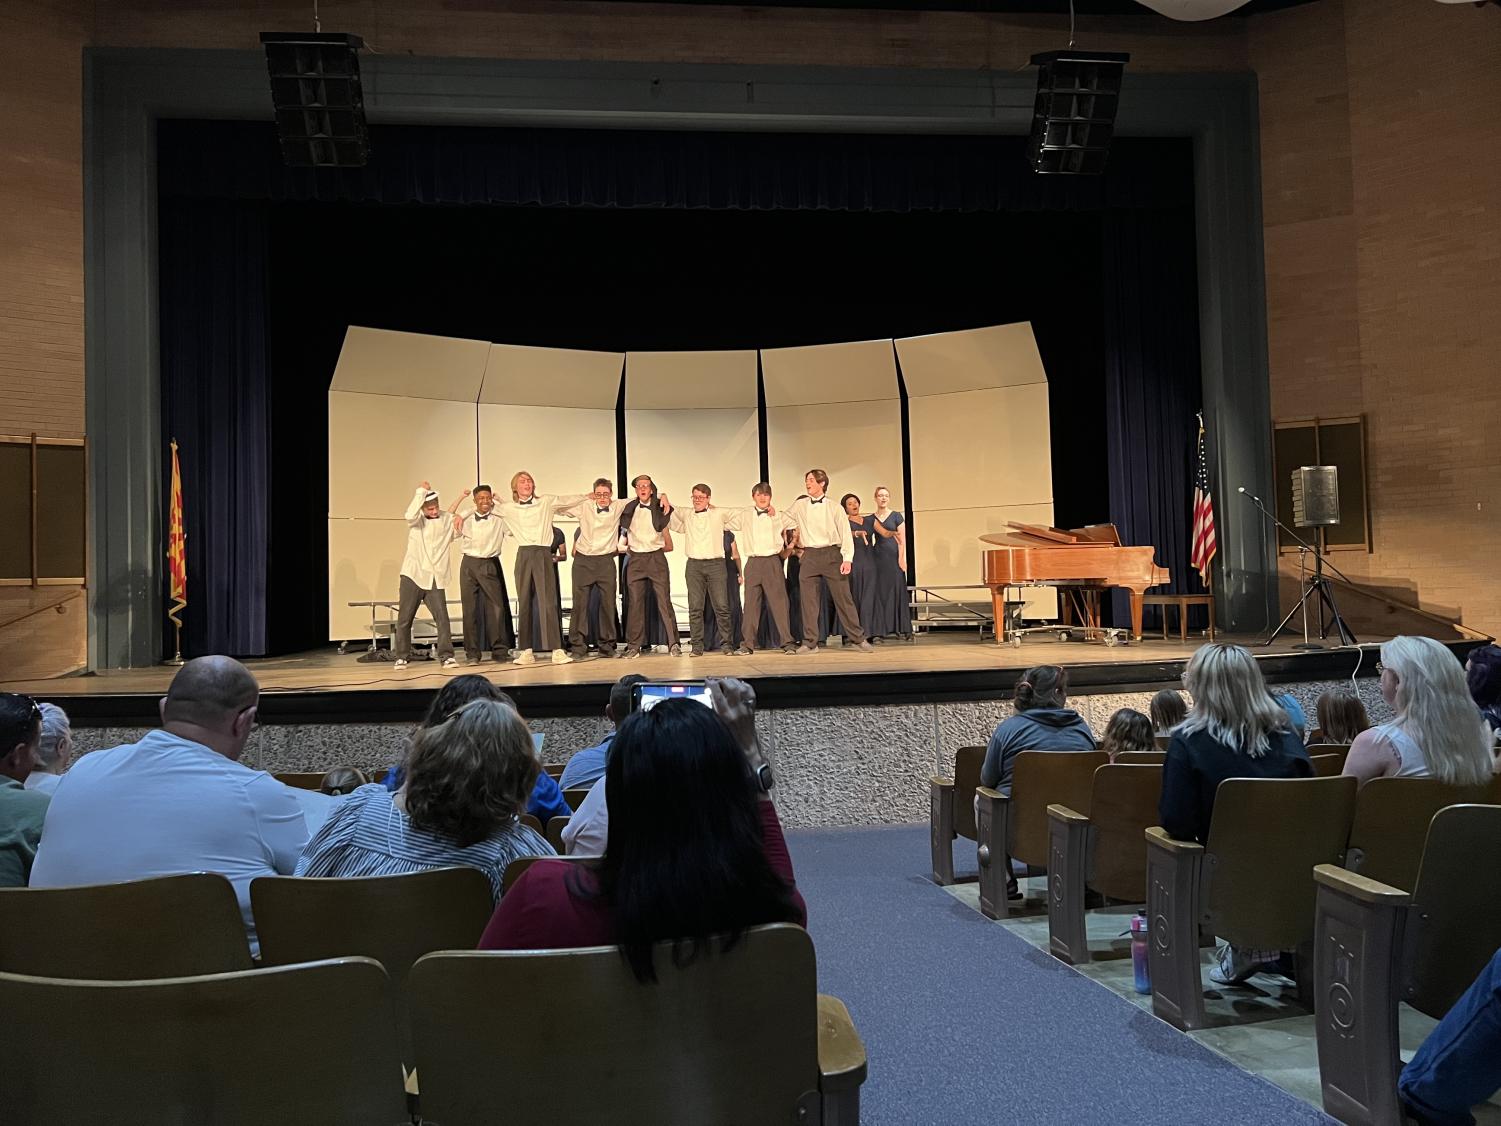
{"x": 818, "y": 501}
{"x": 762, "y": 512}
{"x": 601, "y": 511}
{"x": 528, "y": 500}
{"x": 480, "y": 516}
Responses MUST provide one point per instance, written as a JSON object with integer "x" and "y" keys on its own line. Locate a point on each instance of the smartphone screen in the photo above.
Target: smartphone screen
{"x": 649, "y": 695}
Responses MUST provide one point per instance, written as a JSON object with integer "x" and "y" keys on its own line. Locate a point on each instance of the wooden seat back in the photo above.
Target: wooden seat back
{"x": 1392, "y": 817}
{"x": 1122, "y": 806}
{"x": 1327, "y": 766}
{"x": 301, "y": 780}
{"x": 730, "y": 1037}
{"x": 1162, "y": 741}
{"x": 532, "y": 822}
{"x": 516, "y": 868}
{"x": 1140, "y": 758}
{"x": 1040, "y": 779}
{"x": 575, "y": 796}
{"x": 167, "y": 926}
{"x": 967, "y": 763}
{"x": 1457, "y": 899}
{"x": 1265, "y": 837}
{"x": 555, "y": 827}
{"x": 312, "y": 1043}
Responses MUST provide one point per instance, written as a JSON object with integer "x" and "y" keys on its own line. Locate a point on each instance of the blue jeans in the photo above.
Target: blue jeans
{"x": 1459, "y": 1065}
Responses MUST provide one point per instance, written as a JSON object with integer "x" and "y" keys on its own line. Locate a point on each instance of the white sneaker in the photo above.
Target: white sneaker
{"x": 451, "y": 663}
{"x": 561, "y": 657}
{"x": 1233, "y": 967}
{"x": 400, "y": 663}
{"x": 525, "y": 657}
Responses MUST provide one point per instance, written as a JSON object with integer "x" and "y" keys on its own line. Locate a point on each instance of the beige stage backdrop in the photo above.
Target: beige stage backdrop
{"x": 691, "y": 417}
{"x": 400, "y": 411}
{"x": 835, "y": 407}
{"x": 977, "y": 413}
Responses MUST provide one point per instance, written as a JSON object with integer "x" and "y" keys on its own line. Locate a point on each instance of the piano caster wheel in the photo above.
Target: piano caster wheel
{"x": 1015, "y": 642}
{"x": 1065, "y": 635}
{"x": 343, "y": 647}
{"x": 1112, "y": 638}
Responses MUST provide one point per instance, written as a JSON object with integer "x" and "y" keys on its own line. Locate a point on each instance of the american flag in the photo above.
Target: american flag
{"x": 1203, "y": 523}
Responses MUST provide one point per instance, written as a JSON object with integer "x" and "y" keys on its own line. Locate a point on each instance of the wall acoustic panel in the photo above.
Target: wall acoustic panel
{"x": 376, "y": 361}
{"x": 835, "y": 407}
{"x": 364, "y": 565}
{"x": 691, "y": 417}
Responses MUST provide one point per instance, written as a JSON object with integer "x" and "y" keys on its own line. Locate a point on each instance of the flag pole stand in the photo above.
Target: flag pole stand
{"x": 176, "y": 646}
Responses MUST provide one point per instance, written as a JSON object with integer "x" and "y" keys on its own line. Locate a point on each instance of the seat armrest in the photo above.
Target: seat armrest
{"x": 1359, "y": 888}
{"x": 1157, "y": 837}
{"x": 992, "y": 835}
{"x": 841, "y": 1055}
{"x": 993, "y": 795}
{"x": 939, "y": 782}
{"x": 1066, "y": 815}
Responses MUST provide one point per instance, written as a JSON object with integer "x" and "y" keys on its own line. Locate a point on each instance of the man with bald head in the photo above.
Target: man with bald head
{"x": 179, "y": 800}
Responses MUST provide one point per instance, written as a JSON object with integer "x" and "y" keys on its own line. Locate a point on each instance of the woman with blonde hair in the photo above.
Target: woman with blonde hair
{"x": 1437, "y": 732}
{"x": 1234, "y": 730}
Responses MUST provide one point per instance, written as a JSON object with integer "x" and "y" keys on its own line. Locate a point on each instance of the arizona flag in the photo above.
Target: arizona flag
{"x": 177, "y": 555}
{"x": 1202, "y": 553}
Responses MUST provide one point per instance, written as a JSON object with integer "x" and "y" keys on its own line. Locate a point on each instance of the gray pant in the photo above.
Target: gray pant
{"x": 534, "y": 571}
{"x": 823, "y": 563}
{"x": 765, "y": 578}
{"x": 589, "y": 572}
{"x": 436, "y": 601}
{"x": 710, "y": 573}
{"x": 479, "y": 591}
{"x": 649, "y": 569}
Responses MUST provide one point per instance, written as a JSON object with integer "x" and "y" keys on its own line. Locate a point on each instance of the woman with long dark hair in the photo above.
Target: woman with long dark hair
{"x": 695, "y": 850}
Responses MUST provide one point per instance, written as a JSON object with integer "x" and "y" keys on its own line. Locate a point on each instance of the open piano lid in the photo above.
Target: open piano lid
{"x": 1041, "y": 535}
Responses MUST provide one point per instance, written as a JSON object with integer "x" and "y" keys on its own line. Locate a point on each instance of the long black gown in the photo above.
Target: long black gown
{"x": 862, "y": 578}
{"x": 891, "y": 612}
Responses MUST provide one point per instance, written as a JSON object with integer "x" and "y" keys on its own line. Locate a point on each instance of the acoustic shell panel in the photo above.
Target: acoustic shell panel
{"x": 690, "y": 380}
{"x": 945, "y": 362}
{"x": 551, "y": 377}
{"x": 859, "y": 371}
{"x": 381, "y": 446}
{"x": 364, "y": 565}
{"x": 377, "y": 361}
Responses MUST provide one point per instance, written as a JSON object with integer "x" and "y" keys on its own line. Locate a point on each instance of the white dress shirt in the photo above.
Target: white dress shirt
{"x": 759, "y": 531}
{"x": 644, "y": 536}
{"x": 163, "y": 806}
{"x": 483, "y": 535}
{"x": 530, "y": 521}
{"x": 426, "y": 560}
{"x": 823, "y": 523}
{"x": 588, "y": 830}
{"x": 599, "y": 531}
{"x": 704, "y": 531}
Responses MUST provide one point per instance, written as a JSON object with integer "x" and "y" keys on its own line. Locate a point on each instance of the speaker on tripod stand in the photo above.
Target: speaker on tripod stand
{"x": 1316, "y": 506}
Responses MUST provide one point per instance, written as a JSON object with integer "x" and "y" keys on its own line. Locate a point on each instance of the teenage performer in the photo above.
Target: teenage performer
{"x": 703, "y": 528}
{"x": 733, "y": 581}
{"x": 529, "y": 516}
{"x": 892, "y": 616}
{"x": 642, "y": 524}
{"x": 424, "y": 570}
{"x": 761, "y": 530}
{"x": 863, "y": 566}
{"x": 482, "y": 585}
{"x": 595, "y": 552}
{"x": 828, "y": 554}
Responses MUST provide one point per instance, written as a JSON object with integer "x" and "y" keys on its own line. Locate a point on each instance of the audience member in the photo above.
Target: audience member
{"x": 1127, "y": 731}
{"x": 1483, "y": 677}
{"x": 1458, "y": 1066}
{"x": 1168, "y": 710}
{"x": 587, "y": 766}
{"x": 1437, "y": 733}
{"x": 343, "y": 780}
{"x": 22, "y": 811}
{"x": 546, "y": 800}
{"x": 1234, "y": 730}
{"x": 1341, "y": 717}
{"x": 467, "y": 781}
{"x": 1289, "y": 703}
{"x": 179, "y": 800}
{"x": 695, "y": 848}
{"x": 1041, "y": 723}
{"x": 52, "y": 751}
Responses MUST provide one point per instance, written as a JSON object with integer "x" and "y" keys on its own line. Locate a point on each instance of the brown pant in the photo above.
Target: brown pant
{"x": 649, "y": 569}
{"x": 764, "y": 578}
{"x": 590, "y": 571}
{"x": 535, "y": 571}
{"x": 823, "y": 563}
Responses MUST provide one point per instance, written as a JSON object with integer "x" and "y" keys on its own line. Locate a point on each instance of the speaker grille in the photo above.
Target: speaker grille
{"x": 1073, "y": 117}
{"x": 316, "y": 94}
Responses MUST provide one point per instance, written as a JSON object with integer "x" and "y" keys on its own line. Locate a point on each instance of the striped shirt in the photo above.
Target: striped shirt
{"x": 368, "y": 836}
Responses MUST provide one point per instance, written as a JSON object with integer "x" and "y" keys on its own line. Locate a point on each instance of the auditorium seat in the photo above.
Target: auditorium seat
{"x": 311, "y": 1043}
{"x": 734, "y": 1036}
{"x": 166, "y": 926}
{"x": 1018, "y": 826}
{"x": 952, "y": 810}
{"x": 516, "y": 867}
{"x": 1342, "y": 750}
{"x": 301, "y": 780}
{"x": 575, "y": 796}
{"x": 1327, "y": 766}
{"x": 1392, "y": 816}
{"x": 554, "y": 770}
{"x": 1378, "y": 944}
{"x": 1162, "y": 741}
{"x": 1251, "y": 885}
{"x": 532, "y": 822}
{"x": 555, "y": 827}
{"x": 1101, "y": 851}
{"x": 1140, "y": 758}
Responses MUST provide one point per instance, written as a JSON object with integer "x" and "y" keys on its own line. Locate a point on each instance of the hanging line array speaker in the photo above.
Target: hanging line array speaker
{"x": 1073, "y": 118}
{"x": 315, "y": 91}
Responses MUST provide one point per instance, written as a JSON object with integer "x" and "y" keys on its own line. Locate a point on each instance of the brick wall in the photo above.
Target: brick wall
{"x": 1381, "y": 169}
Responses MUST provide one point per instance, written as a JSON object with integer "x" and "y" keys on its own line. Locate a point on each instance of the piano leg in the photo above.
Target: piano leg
{"x": 1137, "y": 594}
{"x": 998, "y": 608}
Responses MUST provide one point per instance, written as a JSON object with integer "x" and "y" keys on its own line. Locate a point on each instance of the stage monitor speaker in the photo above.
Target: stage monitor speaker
{"x": 1073, "y": 118}
{"x": 1315, "y": 496}
{"x": 315, "y": 91}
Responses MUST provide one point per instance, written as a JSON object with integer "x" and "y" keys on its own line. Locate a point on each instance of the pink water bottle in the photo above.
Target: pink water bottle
{"x": 1140, "y": 966}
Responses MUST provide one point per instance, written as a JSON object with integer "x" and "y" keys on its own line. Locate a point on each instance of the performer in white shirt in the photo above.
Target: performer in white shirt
{"x": 703, "y": 528}
{"x": 529, "y": 517}
{"x": 828, "y": 553}
{"x": 482, "y": 587}
{"x": 642, "y": 523}
{"x": 760, "y": 529}
{"x": 424, "y": 570}
{"x": 595, "y": 552}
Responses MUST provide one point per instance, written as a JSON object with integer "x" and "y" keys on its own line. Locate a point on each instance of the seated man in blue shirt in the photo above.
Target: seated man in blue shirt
{"x": 587, "y": 767}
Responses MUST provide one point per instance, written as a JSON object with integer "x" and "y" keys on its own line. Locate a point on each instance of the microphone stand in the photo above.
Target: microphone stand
{"x": 1317, "y": 586}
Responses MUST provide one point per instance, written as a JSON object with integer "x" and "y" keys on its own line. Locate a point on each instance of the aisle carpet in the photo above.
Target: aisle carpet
{"x": 966, "y": 1023}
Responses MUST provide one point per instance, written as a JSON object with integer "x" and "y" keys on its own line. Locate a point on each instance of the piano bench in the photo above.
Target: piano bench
{"x": 1182, "y": 602}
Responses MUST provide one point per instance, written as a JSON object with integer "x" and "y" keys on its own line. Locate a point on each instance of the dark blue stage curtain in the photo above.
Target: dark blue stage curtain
{"x": 1152, "y": 385}
{"x": 212, "y": 266}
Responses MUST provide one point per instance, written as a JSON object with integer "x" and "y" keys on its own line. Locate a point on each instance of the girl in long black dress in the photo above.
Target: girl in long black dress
{"x": 862, "y": 568}
{"x": 892, "y": 613}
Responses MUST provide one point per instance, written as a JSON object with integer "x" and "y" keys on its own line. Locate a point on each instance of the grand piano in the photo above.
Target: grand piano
{"x": 1091, "y": 559}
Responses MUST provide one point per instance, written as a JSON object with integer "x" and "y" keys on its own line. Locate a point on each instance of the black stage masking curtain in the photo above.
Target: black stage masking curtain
{"x": 215, "y": 401}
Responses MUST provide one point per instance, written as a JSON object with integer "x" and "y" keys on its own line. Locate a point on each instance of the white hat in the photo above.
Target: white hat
{"x": 431, "y": 498}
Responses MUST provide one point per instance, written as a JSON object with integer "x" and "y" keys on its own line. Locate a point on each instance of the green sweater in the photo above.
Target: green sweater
{"x": 22, "y": 812}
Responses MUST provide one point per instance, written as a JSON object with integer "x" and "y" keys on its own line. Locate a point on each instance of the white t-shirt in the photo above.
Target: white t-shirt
{"x": 588, "y": 830}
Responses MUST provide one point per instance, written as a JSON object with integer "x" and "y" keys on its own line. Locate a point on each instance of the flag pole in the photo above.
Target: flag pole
{"x": 176, "y": 559}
